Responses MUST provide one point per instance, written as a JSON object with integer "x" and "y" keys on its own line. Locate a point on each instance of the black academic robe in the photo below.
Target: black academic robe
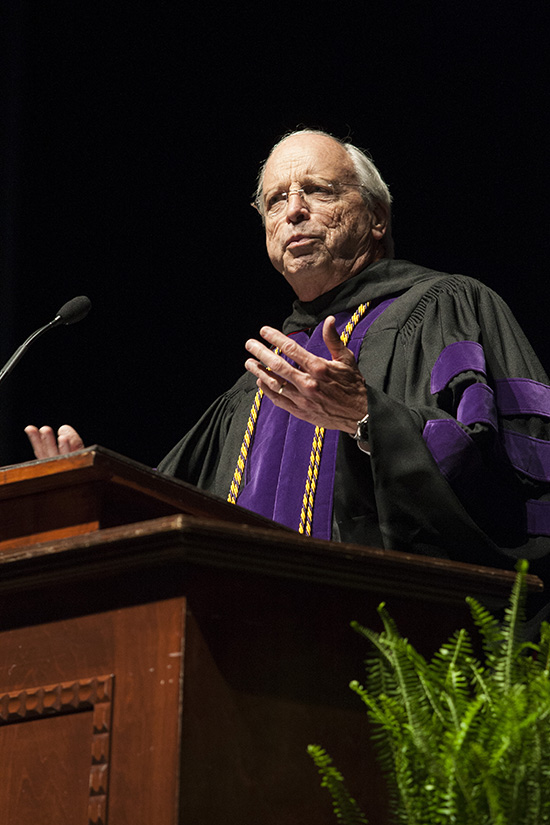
{"x": 450, "y": 473}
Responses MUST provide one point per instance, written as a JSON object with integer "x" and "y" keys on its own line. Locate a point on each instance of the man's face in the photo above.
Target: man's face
{"x": 322, "y": 235}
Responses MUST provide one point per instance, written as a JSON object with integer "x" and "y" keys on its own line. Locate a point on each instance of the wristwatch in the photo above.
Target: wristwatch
{"x": 361, "y": 434}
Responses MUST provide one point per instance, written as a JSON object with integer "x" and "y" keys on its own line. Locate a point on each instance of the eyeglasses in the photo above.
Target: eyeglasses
{"x": 314, "y": 195}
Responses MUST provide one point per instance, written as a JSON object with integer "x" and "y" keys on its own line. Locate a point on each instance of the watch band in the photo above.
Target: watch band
{"x": 362, "y": 431}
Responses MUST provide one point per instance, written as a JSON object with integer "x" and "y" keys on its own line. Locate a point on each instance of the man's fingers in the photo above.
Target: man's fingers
{"x": 68, "y": 440}
{"x": 268, "y": 363}
{"x": 338, "y": 350}
{"x": 304, "y": 359}
{"x": 287, "y": 346}
{"x": 45, "y": 444}
{"x": 34, "y": 437}
{"x": 43, "y": 441}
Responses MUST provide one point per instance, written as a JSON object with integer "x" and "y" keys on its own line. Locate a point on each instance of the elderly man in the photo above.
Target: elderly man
{"x": 399, "y": 407}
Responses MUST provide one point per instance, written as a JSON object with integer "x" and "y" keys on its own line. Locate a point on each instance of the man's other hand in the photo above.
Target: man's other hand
{"x": 46, "y": 445}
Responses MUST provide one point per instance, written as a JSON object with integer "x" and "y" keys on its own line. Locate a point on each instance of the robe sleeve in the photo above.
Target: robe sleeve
{"x": 207, "y": 454}
{"x": 459, "y": 428}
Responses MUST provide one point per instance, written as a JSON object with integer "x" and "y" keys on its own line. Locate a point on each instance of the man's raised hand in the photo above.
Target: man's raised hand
{"x": 329, "y": 393}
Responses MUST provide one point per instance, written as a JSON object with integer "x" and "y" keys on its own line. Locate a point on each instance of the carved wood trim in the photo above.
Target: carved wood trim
{"x": 95, "y": 695}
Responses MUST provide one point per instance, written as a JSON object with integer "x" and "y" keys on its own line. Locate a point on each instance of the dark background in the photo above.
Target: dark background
{"x": 133, "y": 133}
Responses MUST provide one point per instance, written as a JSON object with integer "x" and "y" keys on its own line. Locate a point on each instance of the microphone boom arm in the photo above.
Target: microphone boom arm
{"x": 72, "y": 311}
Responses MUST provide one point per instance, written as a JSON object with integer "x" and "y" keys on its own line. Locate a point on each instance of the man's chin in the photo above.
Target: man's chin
{"x": 309, "y": 282}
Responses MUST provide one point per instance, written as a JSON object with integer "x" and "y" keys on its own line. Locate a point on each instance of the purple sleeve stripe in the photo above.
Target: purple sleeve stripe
{"x": 477, "y": 406}
{"x": 522, "y": 396}
{"x": 448, "y": 444}
{"x": 538, "y": 517}
{"x": 531, "y": 456}
{"x": 461, "y": 356}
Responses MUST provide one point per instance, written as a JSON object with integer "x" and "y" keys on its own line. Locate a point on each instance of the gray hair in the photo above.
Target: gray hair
{"x": 373, "y": 188}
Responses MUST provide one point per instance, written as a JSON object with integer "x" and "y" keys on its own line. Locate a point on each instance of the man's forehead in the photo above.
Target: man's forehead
{"x": 301, "y": 155}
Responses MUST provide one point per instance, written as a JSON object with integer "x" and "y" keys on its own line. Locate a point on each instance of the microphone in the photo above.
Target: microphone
{"x": 71, "y": 312}
{"x": 74, "y": 310}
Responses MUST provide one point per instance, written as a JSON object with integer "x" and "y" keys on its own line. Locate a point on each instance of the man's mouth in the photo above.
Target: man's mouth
{"x": 296, "y": 241}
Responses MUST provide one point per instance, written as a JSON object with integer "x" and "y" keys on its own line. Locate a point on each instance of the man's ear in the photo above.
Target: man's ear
{"x": 380, "y": 219}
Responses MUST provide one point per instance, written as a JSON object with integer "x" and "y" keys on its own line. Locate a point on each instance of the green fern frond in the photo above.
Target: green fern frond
{"x": 489, "y": 628}
{"x": 345, "y": 807}
{"x": 405, "y": 664}
{"x": 514, "y": 620}
{"x": 543, "y": 657}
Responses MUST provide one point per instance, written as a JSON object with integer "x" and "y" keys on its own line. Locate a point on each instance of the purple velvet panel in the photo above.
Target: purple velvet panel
{"x": 462, "y": 356}
{"x": 264, "y": 461}
{"x": 531, "y": 456}
{"x": 451, "y": 447}
{"x": 278, "y": 462}
{"x": 477, "y": 405}
{"x": 522, "y": 396}
{"x": 292, "y": 478}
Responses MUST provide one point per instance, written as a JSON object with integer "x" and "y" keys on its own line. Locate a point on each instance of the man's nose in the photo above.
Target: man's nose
{"x": 296, "y": 208}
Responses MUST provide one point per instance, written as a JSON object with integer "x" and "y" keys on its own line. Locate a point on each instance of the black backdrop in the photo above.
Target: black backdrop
{"x": 134, "y": 132}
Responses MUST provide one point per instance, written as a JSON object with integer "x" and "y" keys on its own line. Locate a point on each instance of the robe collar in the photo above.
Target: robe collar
{"x": 382, "y": 279}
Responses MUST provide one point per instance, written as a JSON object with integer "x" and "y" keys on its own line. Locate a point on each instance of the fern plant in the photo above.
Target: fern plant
{"x": 460, "y": 740}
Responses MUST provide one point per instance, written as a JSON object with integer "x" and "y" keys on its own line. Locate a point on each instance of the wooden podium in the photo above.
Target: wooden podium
{"x": 166, "y": 657}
